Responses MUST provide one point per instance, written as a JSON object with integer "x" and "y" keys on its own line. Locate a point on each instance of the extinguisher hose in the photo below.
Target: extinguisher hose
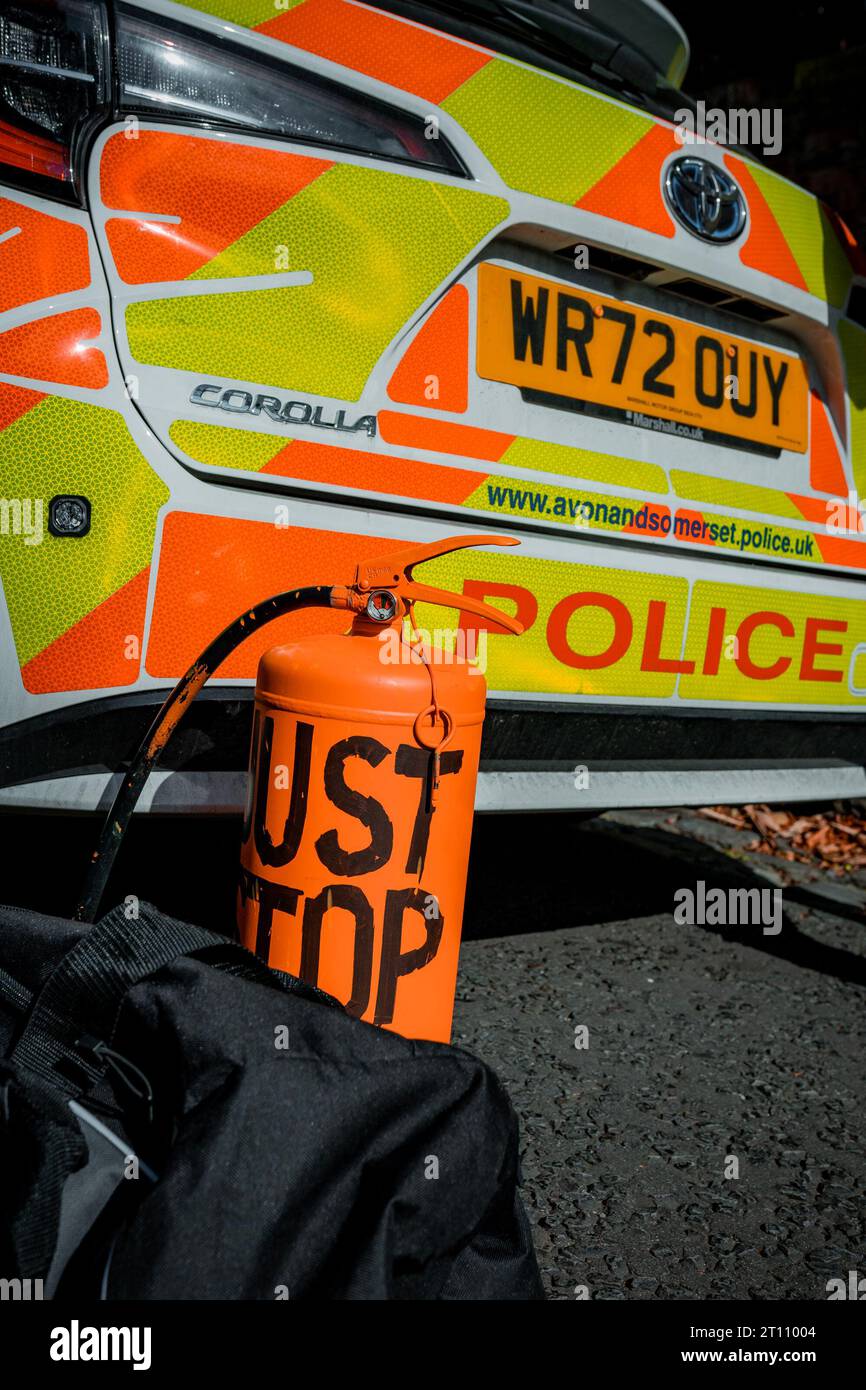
{"x": 166, "y": 721}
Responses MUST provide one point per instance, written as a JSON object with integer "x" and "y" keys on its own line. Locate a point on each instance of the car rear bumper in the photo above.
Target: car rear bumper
{"x": 536, "y": 756}
{"x": 601, "y": 787}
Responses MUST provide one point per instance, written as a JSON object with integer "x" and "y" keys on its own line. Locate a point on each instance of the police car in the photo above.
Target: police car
{"x": 284, "y": 283}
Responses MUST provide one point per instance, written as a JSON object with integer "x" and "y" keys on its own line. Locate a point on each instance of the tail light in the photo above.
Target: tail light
{"x": 56, "y": 84}
{"x": 175, "y": 72}
{"x": 53, "y": 77}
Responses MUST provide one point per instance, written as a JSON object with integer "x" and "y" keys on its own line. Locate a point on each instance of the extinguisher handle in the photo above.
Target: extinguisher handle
{"x": 425, "y": 593}
{"x": 394, "y": 572}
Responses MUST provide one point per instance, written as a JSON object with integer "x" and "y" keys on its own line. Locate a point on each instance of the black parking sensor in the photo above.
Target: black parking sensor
{"x": 69, "y": 515}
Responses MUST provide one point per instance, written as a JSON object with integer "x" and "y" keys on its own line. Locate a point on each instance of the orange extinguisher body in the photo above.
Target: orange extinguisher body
{"x": 356, "y": 839}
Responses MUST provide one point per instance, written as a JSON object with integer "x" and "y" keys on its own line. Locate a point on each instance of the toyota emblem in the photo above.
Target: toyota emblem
{"x": 705, "y": 199}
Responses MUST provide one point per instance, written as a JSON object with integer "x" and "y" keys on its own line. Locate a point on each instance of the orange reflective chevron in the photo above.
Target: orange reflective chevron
{"x": 101, "y": 650}
{"x": 850, "y": 245}
{"x": 765, "y": 248}
{"x": 40, "y": 255}
{"x": 822, "y": 261}
{"x": 842, "y": 551}
{"x": 408, "y": 56}
{"x": 810, "y": 508}
{"x": 826, "y": 470}
{"x": 652, "y": 509}
{"x": 440, "y": 436}
{"x": 354, "y": 233}
{"x": 50, "y": 445}
{"x": 544, "y": 136}
{"x": 237, "y": 564}
{"x": 56, "y": 349}
{"x": 435, "y": 367}
{"x": 699, "y": 521}
{"x": 217, "y": 190}
{"x": 631, "y": 191}
{"x": 374, "y": 472}
{"x": 16, "y": 401}
{"x": 221, "y": 446}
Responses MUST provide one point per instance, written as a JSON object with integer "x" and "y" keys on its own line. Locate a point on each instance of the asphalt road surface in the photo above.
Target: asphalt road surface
{"x": 710, "y": 1051}
{"x": 703, "y": 1046}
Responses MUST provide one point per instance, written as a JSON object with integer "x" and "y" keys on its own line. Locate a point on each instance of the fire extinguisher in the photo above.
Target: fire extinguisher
{"x": 362, "y": 788}
{"x": 363, "y": 768}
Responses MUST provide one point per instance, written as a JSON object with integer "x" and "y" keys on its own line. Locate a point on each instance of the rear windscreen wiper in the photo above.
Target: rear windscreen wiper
{"x": 546, "y": 34}
{"x": 613, "y": 56}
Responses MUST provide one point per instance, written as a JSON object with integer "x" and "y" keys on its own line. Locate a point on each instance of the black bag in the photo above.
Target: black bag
{"x": 177, "y": 1121}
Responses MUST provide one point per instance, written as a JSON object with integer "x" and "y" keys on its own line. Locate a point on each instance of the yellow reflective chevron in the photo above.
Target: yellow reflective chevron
{"x": 247, "y": 13}
{"x": 220, "y": 446}
{"x": 585, "y": 463}
{"x": 778, "y": 641}
{"x": 810, "y": 235}
{"x": 377, "y": 245}
{"x": 544, "y": 136}
{"x": 760, "y": 538}
{"x": 65, "y": 446}
{"x": 591, "y": 510}
{"x": 853, "y": 341}
{"x": 746, "y": 497}
{"x": 528, "y": 664}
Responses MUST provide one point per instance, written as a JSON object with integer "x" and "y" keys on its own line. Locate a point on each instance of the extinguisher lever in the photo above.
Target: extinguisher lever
{"x": 424, "y": 593}
{"x": 394, "y": 572}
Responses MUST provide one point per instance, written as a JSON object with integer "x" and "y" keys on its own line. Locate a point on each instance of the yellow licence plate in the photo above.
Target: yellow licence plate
{"x": 565, "y": 341}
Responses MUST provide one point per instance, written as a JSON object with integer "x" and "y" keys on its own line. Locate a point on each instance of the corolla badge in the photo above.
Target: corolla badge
{"x": 236, "y": 401}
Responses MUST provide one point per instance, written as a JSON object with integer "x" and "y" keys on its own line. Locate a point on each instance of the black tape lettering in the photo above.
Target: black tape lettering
{"x": 395, "y": 964}
{"x": 254, "y": 770}
{"x": 417, "y": 762}
{"x": 350, "y": 863}
{"x": 279, "y": 855}
{"x": 351, "y": 899}
{"x": 271, "y": 898}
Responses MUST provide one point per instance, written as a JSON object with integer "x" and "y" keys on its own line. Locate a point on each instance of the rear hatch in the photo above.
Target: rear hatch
{"x": 469, "y": 284}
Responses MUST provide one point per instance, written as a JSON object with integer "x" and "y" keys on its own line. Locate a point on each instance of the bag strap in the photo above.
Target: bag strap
{"x": 80, "y": 1002}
